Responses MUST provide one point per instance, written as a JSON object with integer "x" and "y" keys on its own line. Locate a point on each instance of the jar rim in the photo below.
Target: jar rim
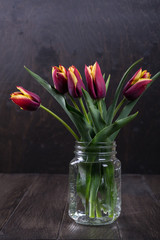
{"x": 102, "y": 149}
{"x": 105, "y": 142}
{"x": 98, "y": 144}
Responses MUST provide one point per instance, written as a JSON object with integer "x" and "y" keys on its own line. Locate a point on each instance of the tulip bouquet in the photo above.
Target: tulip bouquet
{"x": 95, "y": 121}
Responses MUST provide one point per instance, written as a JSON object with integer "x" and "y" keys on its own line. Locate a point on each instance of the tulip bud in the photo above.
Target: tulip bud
{"x": 95, "y": 81}
{"x": 75, "y": 83}
{"x": 59, "y": 76}
{"x": 137, "y": 84}
{"x": 26, "y": 100}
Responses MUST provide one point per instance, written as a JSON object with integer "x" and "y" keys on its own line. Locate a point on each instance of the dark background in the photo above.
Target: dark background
{"x": 44, "y": 33}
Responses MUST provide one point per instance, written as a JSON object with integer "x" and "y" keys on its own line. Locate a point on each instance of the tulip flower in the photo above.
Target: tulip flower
{"x": 26, "y": 100}
{"x": 95, "y": 81}
{"x": 137, "y": 84}
{"x": 75, "y": 83}
{"x": 59, "y": 76}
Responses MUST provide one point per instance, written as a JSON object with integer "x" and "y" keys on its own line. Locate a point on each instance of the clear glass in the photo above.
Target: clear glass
{"x": 95, "y": 184}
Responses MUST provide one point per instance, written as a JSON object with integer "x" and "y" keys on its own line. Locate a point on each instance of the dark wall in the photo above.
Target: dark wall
{"x": 44, "y": 33}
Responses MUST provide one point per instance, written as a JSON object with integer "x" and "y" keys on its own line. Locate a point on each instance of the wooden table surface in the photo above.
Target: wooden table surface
{"x": 34, "y": 206}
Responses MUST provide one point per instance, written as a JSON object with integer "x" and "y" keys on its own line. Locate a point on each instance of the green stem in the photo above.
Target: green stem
{"x": 60, "y": 120}
{"x": 118, "y": 107}
{"x": 94, "y": 186}
{"x": 110, "y": 188}
{"x": 98, "y": 209}
{"x": 100, "y": 108}
{"x": 74, "y": 102}
{"x": 83, "y": 109}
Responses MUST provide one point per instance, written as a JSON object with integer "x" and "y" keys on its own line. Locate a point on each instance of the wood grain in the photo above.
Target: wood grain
{"x": 12, "y": 190}
{"x": 39, "y": 35}
{"x": 140, "y": 216}
{"x": 153, "y": 182}
{"x": 40, "y": 213}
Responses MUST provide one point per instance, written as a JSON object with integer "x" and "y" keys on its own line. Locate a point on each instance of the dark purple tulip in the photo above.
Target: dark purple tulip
{"x": 137, "y": 84}
{"x": 59, "y": 76}
{"x": 26, "y": 100}
{"x": 95, "y": 81}
{"x": 75, "y": 83}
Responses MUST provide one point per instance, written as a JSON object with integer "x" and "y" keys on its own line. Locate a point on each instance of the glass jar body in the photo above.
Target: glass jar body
{"x": 95, "y": 184}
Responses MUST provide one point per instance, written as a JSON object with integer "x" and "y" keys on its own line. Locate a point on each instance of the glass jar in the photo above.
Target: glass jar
{"x": 95, "y": 184}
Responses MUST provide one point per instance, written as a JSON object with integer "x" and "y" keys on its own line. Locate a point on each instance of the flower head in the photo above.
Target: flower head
{"x": 75, "y": 83}
{"x": 95, "y": 81}
{"x": 26, "y": 100}
{"x": 137, "y": 84}
{"x": 59, "y": 76}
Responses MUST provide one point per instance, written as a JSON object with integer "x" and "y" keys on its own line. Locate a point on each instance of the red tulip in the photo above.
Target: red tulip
{"x": 26, "y": 100}
{"x": 59, "y": 76}
{"x": 137, "y": 84}
{"x": 75, "y": 83}
{"x": 95, "y": 81}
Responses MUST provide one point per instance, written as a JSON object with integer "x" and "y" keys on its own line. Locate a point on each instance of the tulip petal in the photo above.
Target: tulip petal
{"x": 63, "y": 70}
{"x": 137, "y": 89}
{"x": 29, "y": 94}
{"x": 90, "y": 84}
{"x": 99, "y": 82}
{"x": 95, "y": 81}
{"x": 53, "y": 69}
{"x": 133, "y": 80}
{"x": 71, "y": 85}
{"x": 60, "y": 82}
{"x": 80, "y": 83}
{"x": 127, "y": 86}
{"x": 25, "y": 99}
{"x": 60, "y": 79}
{"x": 146, "y": 74}
{"x": 74, "y": 77}
{"x": 75, "y": 83}
{"x": 137, "y": 75}
{"x": 24, "y": 102}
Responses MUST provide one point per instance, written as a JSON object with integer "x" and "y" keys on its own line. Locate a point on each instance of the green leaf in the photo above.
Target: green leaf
{"x": 104, "y": 109}
{"x": 107, "y": 83}
{"x": 128, "y": 108}
{"x": 109, "y": 130}
{"x": 103, "y": 103}
{"x": 82, "y": 125}
{"x": 77, "y": 118}
{"x": 97, "y": 120}
{"x": 119, "y": 88}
